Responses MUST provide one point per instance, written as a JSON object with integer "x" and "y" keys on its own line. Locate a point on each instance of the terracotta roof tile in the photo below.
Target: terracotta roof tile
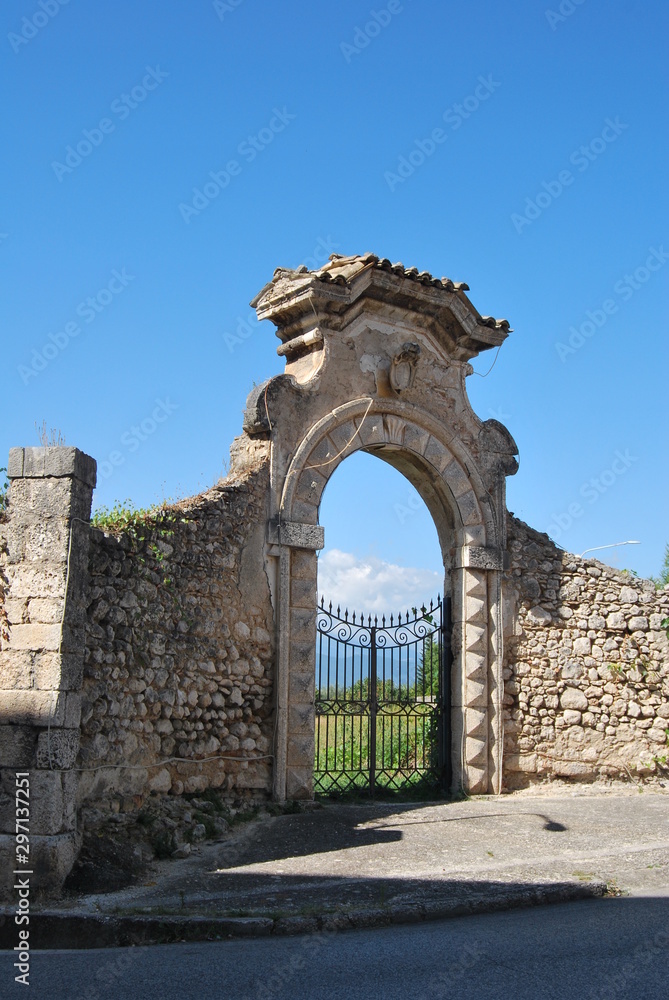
{"x": 342, "y": 270}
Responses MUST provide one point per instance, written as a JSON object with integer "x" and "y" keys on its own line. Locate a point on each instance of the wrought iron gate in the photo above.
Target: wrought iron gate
{"x": 382, "y": 700}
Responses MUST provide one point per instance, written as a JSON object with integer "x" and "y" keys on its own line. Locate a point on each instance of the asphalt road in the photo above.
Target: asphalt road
{"x": 589, "y": 949}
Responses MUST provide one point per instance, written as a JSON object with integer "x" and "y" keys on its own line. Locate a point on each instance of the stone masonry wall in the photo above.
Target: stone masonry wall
{"x": 586, "y": 667}
{"x": 179, "y": 652}
{"x": 3, "y": 574}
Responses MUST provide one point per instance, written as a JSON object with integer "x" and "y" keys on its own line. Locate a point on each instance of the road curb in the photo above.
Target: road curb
{"x": 53, "y": 929}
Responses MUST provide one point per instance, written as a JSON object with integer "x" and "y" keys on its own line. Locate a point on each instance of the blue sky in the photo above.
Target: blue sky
{"x": 124, "y": 308}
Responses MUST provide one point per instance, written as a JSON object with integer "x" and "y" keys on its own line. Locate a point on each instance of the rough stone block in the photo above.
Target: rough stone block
{"x": 539, "y": 616}
{"x": 16, "y": 669}
{"x": 476, "y": 752}
{"x": 34, "y": 637}
{"x": 17, "y": 746}
{"x": 457, "y": 479}
{"x": 56, "y": 462}
{"x": 63, "y": 672}
{"x": 616, "y": 620}
{"x": 477, "y": 723}
{"x": 161, "y": 781}
{"x": 475, "y": 610}
{"x": 15, "y": 463}
{"x": 47, "y": 539}
{"x": 52, "y": 859}
{"x": 302, "y": 657}
{"x": 255, "y": 778}
{"x": 574, "y": 698}
{"x": 72, "y": 712}
{"x": 37, "y": 708}
{"x": 36, "y": 580}
{"x": 301, "y": 719}
{"x": 309, "y": 488}
{"x": 57, "y": 748}
{"x": 303, "y": 624}
{"x": 476, "y": 694}
{"x": 304, "y": 565}
{"x": 47, "y": 610}
{"x": 469, "y": 509}
{"x": 46, "y": 803}
{"x": 572, "y": 769}
{"x": 301, "y": 687}
{"x": 571, "y": 671}
{"x": 305, "y": 512}
{"x": 437, "y": 455}
{"x": 299, "y": 783}
{"x": 302, "y": 594}
{"x": 521, "y": 762}
{"x": 16, "y": 610}
{"x": 475, "y": 778}
{"x": 481, "y": 557}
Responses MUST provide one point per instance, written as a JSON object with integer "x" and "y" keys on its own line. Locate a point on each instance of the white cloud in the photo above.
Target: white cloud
{"x": 372, "y": 585}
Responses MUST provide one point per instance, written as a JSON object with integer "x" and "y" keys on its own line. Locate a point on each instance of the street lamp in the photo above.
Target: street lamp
{"x": 613, "y": 545}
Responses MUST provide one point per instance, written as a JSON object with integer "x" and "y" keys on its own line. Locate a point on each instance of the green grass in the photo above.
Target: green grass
{"x": 406, "y": 755}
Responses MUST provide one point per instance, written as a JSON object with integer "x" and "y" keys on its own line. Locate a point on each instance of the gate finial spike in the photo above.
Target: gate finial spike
{"x": 383, "y": 622}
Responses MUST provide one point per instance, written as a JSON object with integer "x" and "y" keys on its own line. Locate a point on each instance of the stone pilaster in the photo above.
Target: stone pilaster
{"x": 41, "y": 661}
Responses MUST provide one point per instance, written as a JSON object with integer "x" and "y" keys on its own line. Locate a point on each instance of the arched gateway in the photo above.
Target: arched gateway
{"x": 376, "y": 359}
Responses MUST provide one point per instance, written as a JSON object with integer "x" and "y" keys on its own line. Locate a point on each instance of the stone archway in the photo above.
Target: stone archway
{"x": 377, "y": 357}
